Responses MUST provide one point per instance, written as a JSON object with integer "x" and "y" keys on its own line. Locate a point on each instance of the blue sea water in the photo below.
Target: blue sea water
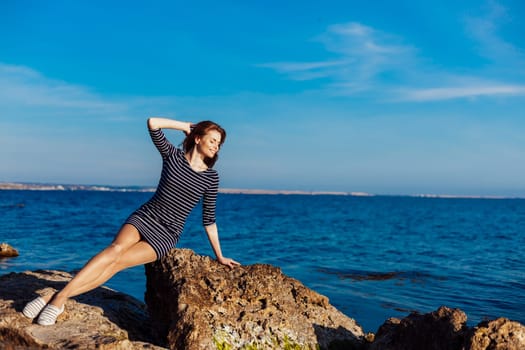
{"x": 374, "y": 257}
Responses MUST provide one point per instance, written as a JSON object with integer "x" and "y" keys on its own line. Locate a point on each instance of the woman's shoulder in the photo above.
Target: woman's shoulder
{"x": 212, "y": 173}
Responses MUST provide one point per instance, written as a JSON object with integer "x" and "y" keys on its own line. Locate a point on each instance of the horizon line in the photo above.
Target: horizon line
{"x": 36, "y": 186}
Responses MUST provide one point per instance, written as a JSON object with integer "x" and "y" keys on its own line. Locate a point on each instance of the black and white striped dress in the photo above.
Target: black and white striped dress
{"x": 160, "y": 220}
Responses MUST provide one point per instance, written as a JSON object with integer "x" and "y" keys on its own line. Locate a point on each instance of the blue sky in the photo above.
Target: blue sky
{"x": 385, "y": 97}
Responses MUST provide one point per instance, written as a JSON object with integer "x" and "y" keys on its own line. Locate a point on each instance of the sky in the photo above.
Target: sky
{"x": 384, "y": 97}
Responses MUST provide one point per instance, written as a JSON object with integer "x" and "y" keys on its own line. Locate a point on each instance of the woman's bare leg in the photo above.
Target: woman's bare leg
{"x": 125, "y": 251}
{"x": 138, "y": 254}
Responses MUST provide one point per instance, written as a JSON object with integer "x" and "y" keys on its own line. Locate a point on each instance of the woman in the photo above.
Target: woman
{"x": 153, "y": 229}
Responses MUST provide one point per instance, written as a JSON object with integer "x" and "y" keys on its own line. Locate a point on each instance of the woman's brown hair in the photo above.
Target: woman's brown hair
{"x": 199, "y": 130}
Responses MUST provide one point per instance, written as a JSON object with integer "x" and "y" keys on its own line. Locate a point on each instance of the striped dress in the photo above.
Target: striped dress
{"x": 160, "y": 220}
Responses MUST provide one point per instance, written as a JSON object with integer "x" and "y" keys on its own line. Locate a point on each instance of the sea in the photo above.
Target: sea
{"x": 374, "y": 257}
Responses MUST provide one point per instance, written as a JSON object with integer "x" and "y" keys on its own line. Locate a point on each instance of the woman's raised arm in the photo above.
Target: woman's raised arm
{"x": 165, "y": 123}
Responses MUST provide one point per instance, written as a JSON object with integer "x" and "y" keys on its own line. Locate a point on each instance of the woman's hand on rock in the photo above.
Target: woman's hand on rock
{"x": 228, "y": 262}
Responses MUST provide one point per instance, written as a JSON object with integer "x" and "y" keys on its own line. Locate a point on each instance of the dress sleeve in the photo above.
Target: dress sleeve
{"x": 160, "y": 141}
{"x": 209, "y": 202}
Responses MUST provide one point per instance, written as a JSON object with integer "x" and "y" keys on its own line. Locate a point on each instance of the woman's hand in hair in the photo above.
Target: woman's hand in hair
{"x": 188, "y": 129}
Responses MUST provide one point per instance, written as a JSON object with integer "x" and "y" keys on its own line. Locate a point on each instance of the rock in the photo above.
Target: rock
{"x": 441, "y": 329}
{"x": 6, "y": 251}
{"x": 446, "y": 329}
{"x": 496, "y": 335}
{"x": 197, "y": 303}
{"x": 102, "y": 318}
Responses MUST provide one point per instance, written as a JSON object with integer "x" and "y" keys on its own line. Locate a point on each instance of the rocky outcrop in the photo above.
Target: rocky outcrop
{"x": 100, "y": 319}
{"x": 446, "y": 329}
{"x": 6, "y": 251}
{"x": 441, "y": 329}
{"x": 197, "y": 303}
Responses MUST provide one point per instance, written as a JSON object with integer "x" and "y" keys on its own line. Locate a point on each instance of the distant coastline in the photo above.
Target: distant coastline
{"x": 103, "y": 188}
{"x": 62, "y": 187}
{"x": 290, "y": 192}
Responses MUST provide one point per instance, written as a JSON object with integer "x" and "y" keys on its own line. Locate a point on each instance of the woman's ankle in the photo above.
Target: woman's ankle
{"x": 47, "y": 298}
{"x": 58, "y": 300}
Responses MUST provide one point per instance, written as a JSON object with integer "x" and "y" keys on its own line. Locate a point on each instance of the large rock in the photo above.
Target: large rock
{"x": 197, "y": 303}
{"x": 497, "y": 335}
{"x": 100, "y": 319}
{"x": 441, "y": 329}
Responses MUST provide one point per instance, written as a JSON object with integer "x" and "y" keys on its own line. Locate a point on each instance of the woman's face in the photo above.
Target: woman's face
{"x": 209, "y": 144}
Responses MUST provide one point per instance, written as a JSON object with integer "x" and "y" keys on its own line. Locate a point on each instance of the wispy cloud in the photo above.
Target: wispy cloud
{"x": 372, "y": 61}
{"x": 21, "y": 85}
{"x": 306, "y": 70}
{"x": 485, "y": 32}
{"x": 364, "y": 54}
{"x": 446, "y": 93}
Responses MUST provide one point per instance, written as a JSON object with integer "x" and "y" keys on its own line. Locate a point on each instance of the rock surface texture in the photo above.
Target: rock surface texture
{"x": 197, "y": 303}
{"x": 496, "y": 335}
{"x": 100, "y": 319}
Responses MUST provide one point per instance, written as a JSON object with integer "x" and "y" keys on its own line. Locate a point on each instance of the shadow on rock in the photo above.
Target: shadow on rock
{"x": 338, "y": 338}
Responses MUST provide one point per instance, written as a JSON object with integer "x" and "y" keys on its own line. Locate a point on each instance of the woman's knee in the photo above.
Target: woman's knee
{"x": 113, "y": 252}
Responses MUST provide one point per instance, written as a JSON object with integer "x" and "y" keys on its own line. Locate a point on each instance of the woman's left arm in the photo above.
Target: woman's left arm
{"x": 165, "y": 123}
{"x": 213, "y": 237}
